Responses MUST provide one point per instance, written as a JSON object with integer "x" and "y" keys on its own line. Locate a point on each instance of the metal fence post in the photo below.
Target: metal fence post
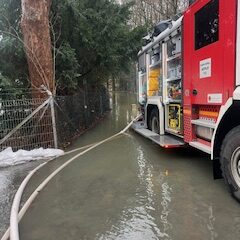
{"x": 53, "y": 122}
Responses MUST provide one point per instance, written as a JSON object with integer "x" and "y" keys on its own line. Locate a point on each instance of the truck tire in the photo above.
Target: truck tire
{"x": 154, "y": 121}
{"x": 230, "y": 161}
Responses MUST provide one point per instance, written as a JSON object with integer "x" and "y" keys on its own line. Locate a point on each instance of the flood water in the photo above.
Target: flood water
{"x": 130, "y": 188}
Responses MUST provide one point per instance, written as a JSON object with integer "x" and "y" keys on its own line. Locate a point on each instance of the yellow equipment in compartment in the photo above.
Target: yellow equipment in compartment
{"x": 153, "y": 82}
{"x": 174, "y": 117}
{"x": 173, "y": 123}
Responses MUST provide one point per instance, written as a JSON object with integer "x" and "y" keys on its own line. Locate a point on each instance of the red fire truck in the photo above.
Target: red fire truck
{"x": 189, "y": 85}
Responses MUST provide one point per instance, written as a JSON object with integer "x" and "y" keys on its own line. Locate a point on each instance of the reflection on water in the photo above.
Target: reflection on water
{"x": 139, "y": 221}
{"x": 206, "y": 214}
{"x": 116, "y": 104}
{"x": 166, "y": 200}
{"x": 210, "y": 224}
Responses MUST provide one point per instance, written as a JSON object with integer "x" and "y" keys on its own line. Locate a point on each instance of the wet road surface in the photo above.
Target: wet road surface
{"x": 130, "y": 188}
{"x": 10, "y": 180}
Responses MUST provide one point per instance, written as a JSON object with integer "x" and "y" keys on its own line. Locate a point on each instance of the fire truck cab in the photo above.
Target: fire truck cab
{"x": 189, "y": 85}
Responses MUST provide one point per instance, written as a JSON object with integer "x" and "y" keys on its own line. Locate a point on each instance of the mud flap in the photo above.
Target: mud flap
{"x": 217, "y": 172}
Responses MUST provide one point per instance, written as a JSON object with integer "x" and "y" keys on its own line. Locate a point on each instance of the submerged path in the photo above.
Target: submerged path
{"x": 130, "y": 188}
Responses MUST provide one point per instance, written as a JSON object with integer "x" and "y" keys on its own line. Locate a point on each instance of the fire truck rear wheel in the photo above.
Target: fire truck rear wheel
{"x": 230, "y": 161}
{"x": 154, "y": 121}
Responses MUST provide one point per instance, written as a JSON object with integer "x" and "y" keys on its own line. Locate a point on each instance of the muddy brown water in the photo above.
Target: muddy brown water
{"x": 130, "y": 188}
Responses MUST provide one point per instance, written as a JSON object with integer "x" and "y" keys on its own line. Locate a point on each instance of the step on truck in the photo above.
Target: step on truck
{"x": 189, "y": 85}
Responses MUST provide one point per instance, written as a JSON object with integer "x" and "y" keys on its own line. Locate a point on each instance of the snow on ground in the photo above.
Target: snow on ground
{"x": 10, "y": 158}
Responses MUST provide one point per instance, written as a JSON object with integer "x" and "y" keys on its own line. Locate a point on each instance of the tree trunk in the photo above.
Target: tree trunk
{"x": 37, "y": 43}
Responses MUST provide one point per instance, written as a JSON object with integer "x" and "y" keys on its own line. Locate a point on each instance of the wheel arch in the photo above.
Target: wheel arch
{"x": 155, "y": 102}
{"x": 229, "y": 120}
{"x": 149, "y": 109}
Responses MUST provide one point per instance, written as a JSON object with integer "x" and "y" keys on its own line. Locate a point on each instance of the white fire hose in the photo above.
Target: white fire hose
{"x": 15, "y": 217}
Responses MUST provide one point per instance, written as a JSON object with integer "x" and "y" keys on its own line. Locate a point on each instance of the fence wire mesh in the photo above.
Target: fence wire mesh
{"x": 78, "y": 112}
{"x": 74, "y": 114}
{"x": 35, "y": 133}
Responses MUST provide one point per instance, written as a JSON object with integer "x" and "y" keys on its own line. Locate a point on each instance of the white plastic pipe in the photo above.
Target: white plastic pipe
{"x": 15, "y": 218}
{"x": 16, "y": 203}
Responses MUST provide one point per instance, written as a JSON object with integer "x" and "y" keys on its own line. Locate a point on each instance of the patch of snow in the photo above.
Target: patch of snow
{"x": 10, "y": 158}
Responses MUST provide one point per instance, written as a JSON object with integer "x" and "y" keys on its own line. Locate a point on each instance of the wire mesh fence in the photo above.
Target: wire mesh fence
{"x": 78, "y": 112}
{"x": 73, "y": 113}
{"x": 37, "y": 132}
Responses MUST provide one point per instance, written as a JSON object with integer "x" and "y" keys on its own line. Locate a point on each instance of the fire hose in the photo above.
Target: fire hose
{"x": 16, "y": 216}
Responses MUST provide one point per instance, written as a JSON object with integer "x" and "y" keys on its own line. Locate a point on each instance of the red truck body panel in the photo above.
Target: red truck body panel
{"x": 209, "y": 71}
